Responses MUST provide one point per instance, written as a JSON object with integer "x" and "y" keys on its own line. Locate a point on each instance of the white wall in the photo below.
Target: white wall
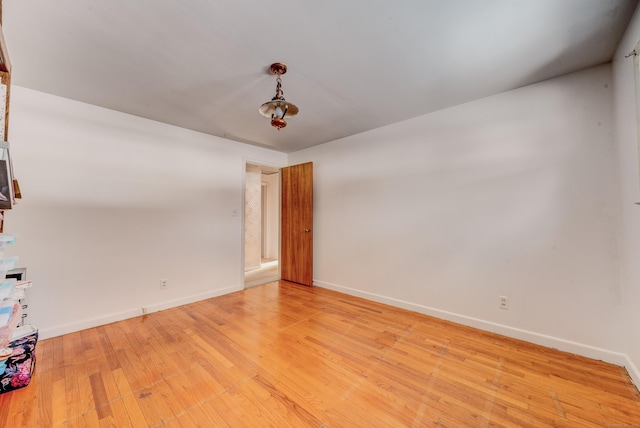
{"x": 509, "y": 195}
{"x": 626, "y": 129}
{"x": 273, "y": 214}
{"x": 252, "y": 217}
{"x": 113, "y": 203}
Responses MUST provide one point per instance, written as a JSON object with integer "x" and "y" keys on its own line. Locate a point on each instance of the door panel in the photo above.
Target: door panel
{"x": 296, "y": 246}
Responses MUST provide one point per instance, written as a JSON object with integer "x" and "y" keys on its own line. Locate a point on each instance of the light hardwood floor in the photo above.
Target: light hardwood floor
{"x": 286, "y": 355}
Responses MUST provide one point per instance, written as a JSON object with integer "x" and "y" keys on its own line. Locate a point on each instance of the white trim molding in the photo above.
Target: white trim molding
{"x": 132, "y": 313}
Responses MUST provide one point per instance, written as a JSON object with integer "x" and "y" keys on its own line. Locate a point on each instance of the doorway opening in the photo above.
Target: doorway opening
{"x": 261, "y": 225}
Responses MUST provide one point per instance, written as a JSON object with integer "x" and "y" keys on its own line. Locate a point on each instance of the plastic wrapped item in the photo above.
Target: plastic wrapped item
{"x": 10, "y": 318}
{"x": 18, "y": 294}
{"x": 21, "y": 285}
{"x": 7, "y": 308}
{"x": 23, "y": 331}
{"x": 6, "y": 265}
{"x": 6, "y": 239}
{"x": 7, "y": 289}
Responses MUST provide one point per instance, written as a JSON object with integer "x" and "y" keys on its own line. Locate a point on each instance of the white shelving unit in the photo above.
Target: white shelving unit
{"x": 17, "y": 341}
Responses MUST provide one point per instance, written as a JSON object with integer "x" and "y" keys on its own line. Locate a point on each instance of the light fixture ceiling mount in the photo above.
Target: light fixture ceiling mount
{"x": 278, "y": 107}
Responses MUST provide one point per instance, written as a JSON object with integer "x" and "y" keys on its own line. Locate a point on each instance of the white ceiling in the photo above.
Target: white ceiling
{"x": 354, "y": 65}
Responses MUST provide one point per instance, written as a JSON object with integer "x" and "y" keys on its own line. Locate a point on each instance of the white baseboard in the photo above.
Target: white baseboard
{"x": 633, "y": 372}
{"x": 529, "y": 336}
{"x": 130, "y": 313}
{"x": 516, "y": 333}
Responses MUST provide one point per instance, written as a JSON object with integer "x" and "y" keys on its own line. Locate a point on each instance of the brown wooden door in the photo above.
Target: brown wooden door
{"x": 296, "y": 245}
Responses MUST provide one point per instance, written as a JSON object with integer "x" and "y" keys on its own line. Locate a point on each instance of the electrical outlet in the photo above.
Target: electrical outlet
{"x": 144, "y": 310}
{"x": 164, "y": 283}
{"x": 503, "y": 302}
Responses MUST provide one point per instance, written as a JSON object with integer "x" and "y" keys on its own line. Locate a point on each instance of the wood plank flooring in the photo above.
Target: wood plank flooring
{"x": 285, "y": 355}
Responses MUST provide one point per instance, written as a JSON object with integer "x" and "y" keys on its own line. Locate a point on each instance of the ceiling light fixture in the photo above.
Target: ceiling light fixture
{"x": 278, "y": 107}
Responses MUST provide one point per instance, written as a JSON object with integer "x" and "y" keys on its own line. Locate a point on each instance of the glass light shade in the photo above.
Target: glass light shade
{"x": 270, "y": 109}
